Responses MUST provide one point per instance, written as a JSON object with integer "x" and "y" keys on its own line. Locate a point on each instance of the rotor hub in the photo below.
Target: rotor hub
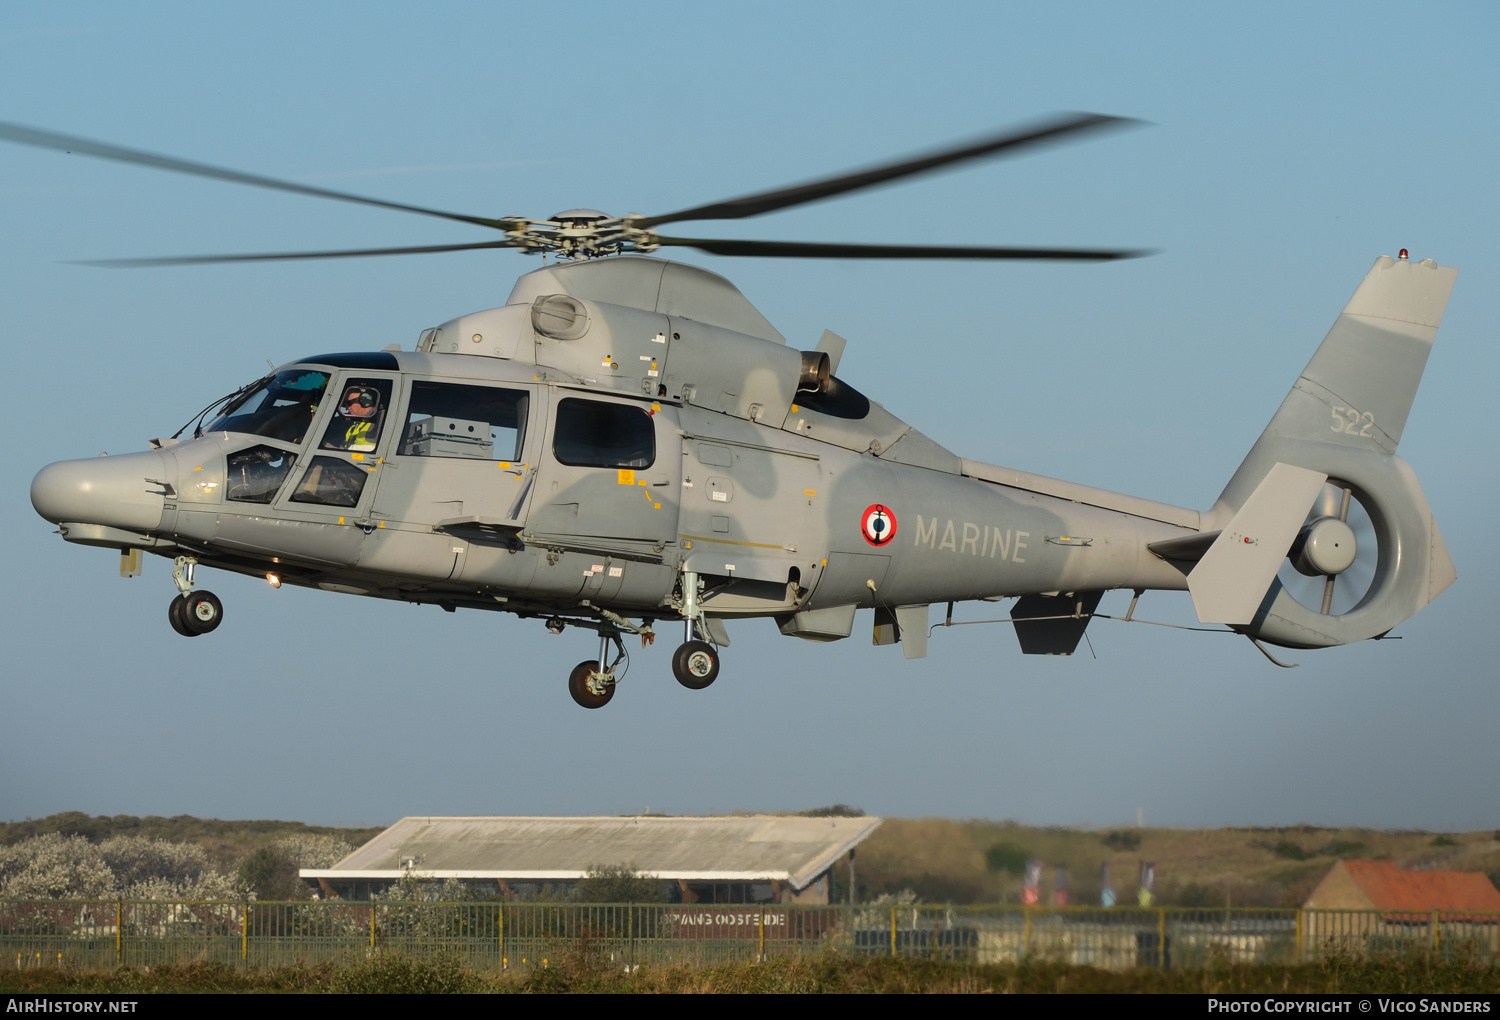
{"x": 580, "y": 217}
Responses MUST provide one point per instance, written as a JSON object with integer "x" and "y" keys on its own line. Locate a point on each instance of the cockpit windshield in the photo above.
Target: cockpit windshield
{"x": 282, "y": 407}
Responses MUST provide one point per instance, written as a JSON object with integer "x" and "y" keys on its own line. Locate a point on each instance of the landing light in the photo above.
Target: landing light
{"x": 273, "y": 580}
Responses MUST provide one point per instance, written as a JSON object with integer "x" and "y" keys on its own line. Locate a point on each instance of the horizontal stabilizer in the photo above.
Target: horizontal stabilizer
{"x": 1232, "y": 578}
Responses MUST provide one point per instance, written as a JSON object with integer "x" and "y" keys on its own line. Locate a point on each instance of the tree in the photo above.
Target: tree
{"x": 604, "y": 883}
{"x": 271, "y": 874}
{"x": 1006, "y": 858}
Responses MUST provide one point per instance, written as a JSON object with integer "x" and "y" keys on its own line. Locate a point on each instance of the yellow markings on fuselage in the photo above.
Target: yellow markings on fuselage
{"x": 690, "y": 539}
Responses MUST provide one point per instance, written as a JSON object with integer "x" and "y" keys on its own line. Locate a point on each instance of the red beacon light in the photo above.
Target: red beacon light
{"x": 1402, "y": 255}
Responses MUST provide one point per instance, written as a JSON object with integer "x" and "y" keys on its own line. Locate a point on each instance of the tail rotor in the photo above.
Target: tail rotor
{"x": 1368, "y": 553}
{"x": 1331, "y": 565}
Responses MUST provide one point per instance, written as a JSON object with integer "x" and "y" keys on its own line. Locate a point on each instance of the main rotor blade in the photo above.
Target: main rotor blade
{"x": 812, "y": 191}
{"x": 83, "y": 146}
{"x": 198, "y": 260}
{"x": 819, "y": 250}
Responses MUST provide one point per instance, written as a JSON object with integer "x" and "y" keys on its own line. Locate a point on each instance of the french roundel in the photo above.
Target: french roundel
{"x": 878, "y": 525}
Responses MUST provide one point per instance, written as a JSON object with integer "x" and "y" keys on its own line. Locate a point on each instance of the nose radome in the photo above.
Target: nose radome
{"x": 126, "y": 492}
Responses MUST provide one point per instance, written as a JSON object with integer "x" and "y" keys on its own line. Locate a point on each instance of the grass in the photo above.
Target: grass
{"x": 576, "y": 972}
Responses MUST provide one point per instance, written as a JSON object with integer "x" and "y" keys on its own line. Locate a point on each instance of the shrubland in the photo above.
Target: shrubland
{"x": 579, "y": 971}
{"x": 932, "y": 860}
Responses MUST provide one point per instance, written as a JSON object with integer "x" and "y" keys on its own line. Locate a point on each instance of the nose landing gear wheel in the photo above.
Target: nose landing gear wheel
{"x": 174, "y": 616}
{"x": 578, "y": 686}
{"x": 695, "y": 664}
{"x": 201, "y": 612}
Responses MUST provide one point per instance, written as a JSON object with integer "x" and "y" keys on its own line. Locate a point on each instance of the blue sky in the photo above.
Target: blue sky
{"x": 1288, "y": 145}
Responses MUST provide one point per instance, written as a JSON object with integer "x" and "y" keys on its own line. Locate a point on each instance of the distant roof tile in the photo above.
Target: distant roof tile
{"x": 1396, "y": 889}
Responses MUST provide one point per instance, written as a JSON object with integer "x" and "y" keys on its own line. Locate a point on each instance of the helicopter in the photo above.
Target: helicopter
{"x": 628, "y": 441}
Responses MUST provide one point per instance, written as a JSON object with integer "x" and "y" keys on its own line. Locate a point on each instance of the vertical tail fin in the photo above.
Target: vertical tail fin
{"x": 1361, "y": 382}
{"x": 1344, "y": 418}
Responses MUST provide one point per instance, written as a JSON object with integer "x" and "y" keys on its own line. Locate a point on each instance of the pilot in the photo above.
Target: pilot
{"x": 357, "y": 413}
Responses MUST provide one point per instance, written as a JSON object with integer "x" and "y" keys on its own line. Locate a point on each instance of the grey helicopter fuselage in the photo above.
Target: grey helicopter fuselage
{"x": 628, "y": 438}
{"x": 728, "y": 472}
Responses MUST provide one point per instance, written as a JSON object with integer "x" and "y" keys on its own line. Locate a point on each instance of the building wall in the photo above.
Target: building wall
{"x": 1338, "y": 891}
{"x": 815, "y": 891}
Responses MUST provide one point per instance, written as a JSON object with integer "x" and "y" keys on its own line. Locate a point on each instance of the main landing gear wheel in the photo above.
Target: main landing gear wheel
{"x": 200, "y": 612}
{"x": 174, "y": 616}
{"x": 695, "y": 664}
{"x": 578, "y": 685}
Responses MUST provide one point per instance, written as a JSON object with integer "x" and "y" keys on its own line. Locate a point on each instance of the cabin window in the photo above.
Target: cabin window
{"x": 472, "y": 422}
{"x": 331, "y": 482}
{"x": 281, "y": 407}
{"x": 254, "y": 475}
{"x": 592, "y": 433}
{"x": 359, "y": 416}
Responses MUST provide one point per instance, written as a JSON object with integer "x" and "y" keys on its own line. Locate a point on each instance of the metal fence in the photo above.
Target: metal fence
{"x": 493, "y": 935}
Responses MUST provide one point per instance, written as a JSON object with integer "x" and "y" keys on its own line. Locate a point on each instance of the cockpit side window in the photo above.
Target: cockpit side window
{"x": 471, "y": 422}
{"x": 359, "y": 417}
{"x": 592, "y": 433}
{"x": 254, "y": 475}
{"x": 282, "y": 408}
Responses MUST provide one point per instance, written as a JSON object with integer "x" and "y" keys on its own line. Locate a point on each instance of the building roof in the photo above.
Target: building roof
{"x": 738, "y": 848}
{"x": 1389, "y": 888}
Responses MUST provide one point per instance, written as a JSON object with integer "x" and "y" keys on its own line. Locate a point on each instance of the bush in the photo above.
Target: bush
{"x": 839, "y": 810}
{"x": 1340, "y": 848}
{"x": 54, "y": 867}
{"x": 1196, "y": 894}
{"x": 394, "y": 974}
{"x": 137, "y": 859}
{"x": 311, "y": 850}
{"x": 1006, "y": 857}
{"x": 1122, "y": 840}
{"x": 271, "y": 874}
{"x": 58, "y": 867}
{"x": 1443, "y": 841}
{"x": 605, "y": 884}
